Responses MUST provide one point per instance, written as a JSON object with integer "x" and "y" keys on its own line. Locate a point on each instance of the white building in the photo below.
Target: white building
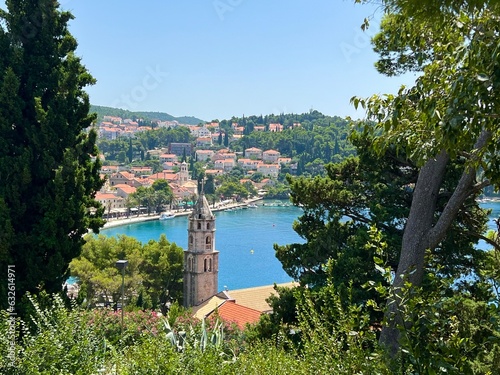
{"x": 270, "y": 156}
{"x": 271, "y": 170}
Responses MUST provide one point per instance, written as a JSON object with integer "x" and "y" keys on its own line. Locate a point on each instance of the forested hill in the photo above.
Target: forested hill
{"x": 308, "y": 137}
{"x": 123, "y": 113}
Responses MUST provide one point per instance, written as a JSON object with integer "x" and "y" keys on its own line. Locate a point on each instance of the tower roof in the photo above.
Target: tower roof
{"x": 201, "y": 209}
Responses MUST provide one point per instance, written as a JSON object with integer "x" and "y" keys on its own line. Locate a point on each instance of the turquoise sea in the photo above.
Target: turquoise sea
{"x": 245, "y": 240}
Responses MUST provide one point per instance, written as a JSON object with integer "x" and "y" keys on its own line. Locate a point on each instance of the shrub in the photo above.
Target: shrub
{"x": 61, "y": 342}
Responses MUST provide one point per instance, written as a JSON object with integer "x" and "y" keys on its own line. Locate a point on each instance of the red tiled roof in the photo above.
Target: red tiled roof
{"x": 241, "y": 315}
{"x": 102, "y": 196}
{"x": 169, "y": 176}
{"x": 126, "y": 188}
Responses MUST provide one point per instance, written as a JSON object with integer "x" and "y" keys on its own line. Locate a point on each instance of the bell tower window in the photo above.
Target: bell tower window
{"x": 207, "y": 265}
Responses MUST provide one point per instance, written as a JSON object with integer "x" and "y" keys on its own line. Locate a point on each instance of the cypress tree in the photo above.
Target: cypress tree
{"x": 49, "y": 172}
{"x": 130, "y": 153}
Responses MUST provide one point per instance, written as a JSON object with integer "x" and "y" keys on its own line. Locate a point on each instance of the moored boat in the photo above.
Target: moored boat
{"x": 166, "y": 215}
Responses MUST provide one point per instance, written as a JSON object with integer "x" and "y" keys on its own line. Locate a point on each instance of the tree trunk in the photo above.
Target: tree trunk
{"x": 420, "y": 234}
{"x": 415, "y": 242}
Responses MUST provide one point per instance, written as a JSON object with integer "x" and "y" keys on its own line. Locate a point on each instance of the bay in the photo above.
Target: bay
{"x": 245, "y": 240}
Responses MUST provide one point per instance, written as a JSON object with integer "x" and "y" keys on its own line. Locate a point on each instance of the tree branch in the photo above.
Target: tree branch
{"x": 463, "y": 190}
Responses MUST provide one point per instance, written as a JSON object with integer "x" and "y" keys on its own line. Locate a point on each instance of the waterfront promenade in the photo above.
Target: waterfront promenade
{"x": 181, "y": 212}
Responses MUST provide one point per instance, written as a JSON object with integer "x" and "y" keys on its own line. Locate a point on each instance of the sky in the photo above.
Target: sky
{"x": 214, "y": 59}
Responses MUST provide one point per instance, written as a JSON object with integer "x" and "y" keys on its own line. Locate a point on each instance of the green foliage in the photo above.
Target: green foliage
{"x": 278, "y": 191}
{"x": 137, "y": 325}
{"x": 448, "y": 116}
{"x": 448, "y": 330}
{"x": 49, "y": 174}
{"x": 342, "y": 333}
{"x": 145, "y": 116}
{"x": 319, "y": 139}
{"x": 145, "y": 140}
{"x": 61, "y": 342}
{"x": 153, "y": 357}
{"x": 154, "y": 269}
{"x": 154, "y": 197}
{"x": 338, "y": 211}
{"x": 281, "y": 321}
{"x": 232, "y": 188}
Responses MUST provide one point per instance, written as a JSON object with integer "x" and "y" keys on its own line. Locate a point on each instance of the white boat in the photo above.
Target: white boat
{"x": 166, "y": 215}
{"x": 252, "y": 205}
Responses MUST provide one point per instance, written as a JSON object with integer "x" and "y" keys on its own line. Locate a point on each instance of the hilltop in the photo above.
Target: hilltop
{"x": 123, "y": 113}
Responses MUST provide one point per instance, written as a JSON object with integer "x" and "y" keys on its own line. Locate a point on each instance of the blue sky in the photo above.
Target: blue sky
{"x": 218, "y": 58}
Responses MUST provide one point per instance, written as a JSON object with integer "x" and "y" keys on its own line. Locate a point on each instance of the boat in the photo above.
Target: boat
{"x": 252, "y": 205}
{"x": 166, "y": 215}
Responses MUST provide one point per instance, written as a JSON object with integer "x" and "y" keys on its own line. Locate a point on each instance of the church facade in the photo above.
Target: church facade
{"x": 201, "y": 259}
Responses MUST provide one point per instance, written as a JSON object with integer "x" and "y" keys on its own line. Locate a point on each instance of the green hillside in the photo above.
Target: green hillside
{"x": 123, "y": 113}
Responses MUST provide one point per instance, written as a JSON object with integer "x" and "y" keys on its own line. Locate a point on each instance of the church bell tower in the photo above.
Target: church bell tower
{"x": 201, "y": 260}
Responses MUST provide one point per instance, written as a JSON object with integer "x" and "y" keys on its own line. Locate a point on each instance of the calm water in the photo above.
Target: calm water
{"x": 245, "y": 240}
{"x": 495, "y": 214}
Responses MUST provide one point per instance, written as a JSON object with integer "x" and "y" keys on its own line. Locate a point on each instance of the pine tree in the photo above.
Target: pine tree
{"x": 48, "y": 177}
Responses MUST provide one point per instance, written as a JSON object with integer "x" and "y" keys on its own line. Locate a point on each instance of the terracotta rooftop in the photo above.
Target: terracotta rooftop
{"x": 126, "y": 188}
{"x": 229, "y": 311}
{"x": 204, "y": 309}
{"x": 255, "y": 298}
{"x": 240, "y": 306}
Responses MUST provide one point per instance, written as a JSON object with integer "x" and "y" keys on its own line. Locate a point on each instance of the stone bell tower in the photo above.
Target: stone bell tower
{"x": 201, "y": 260}
{"x": 183, "y": 174}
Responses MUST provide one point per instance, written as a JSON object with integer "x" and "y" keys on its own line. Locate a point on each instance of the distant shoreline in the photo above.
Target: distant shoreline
{"x": 143, "y": 218}
{"x": 489, "y": 199}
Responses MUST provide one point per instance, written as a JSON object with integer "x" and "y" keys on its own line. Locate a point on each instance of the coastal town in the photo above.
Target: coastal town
{"x": 123, "y": 180}
{"x": 249, "y": 187}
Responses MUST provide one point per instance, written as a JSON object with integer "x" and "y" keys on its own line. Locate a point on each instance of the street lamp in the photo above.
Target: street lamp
{"x": 121, "y": 265}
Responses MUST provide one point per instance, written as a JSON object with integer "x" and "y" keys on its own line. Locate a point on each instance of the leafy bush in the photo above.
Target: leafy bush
{"x": 448, "y": 332}
{"x": 136, "y": 324}
{"x": 61, "y": 342}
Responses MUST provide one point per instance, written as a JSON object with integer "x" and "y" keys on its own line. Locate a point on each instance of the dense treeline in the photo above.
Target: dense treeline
{"x": 147, "y": 117}
{"x": 142, "y": 142}
{"x": 317, "y": 137}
